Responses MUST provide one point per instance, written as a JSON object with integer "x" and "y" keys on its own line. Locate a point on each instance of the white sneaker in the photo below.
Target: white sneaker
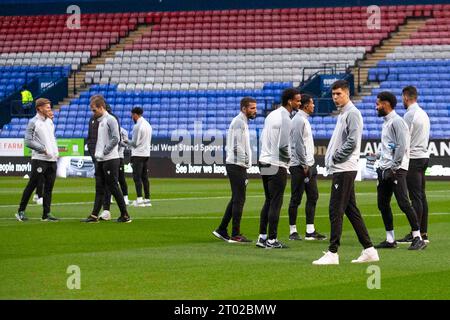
{"x": 106, "y": 215}
{"x": 40, "y": 201}
{"x": 147, "y": 203}
{"x": 35, "y": 198}
{"x": 368, "y": 255}
{"x": 327, "y": 258}
{"x": 139, "y": 203}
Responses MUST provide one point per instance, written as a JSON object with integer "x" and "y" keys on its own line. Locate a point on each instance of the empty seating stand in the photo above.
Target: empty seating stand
{"x": 34, "y": 40}
{"x": 12, "y": 78}
{"x": 192, "y": 60}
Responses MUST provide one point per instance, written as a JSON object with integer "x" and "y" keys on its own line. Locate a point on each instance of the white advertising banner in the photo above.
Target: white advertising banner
{"x": 10, "y": 147}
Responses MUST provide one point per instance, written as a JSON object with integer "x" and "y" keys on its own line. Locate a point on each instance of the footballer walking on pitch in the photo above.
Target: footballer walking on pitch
{"x": 302, "y": 170}
{"x": 140, "y": 154}
{"x": 107, "y": 157}
{"x": 91, "y": 142}
{"x": 419, "y": 127}
{"x": 392, "y": 170}
{"x": 274, "y": 162}
{"x": 239, "y": 159}
{"x": 341, "y": 160}
{"x": 40, "y": 138}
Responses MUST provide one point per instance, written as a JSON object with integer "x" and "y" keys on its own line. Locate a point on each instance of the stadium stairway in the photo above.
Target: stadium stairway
{"x": 79, "y": 76}
{"x": 387, "y": 46}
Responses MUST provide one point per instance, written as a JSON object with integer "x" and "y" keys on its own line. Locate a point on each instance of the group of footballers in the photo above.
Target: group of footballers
{"x": 287, "y": 144}
{"x": 106, "y": 144}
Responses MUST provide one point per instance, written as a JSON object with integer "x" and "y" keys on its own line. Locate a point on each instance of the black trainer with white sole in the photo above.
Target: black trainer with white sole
{"x": 261, "y": 243}
{"x": 315, "y": 236}
{"x": 20, "y": 216}
{"x": 124, "y": 219}
{"x": 386, "y": 245}
{"x": 417, "y": 244}
{"x": 406, "y": 239}
{"x": 222, "y": 235}
{"x": 275, "y": 245}
{"x": 295, "y": 236}
{"x": 50, "y": 218}
{"x": 91, "y": 219}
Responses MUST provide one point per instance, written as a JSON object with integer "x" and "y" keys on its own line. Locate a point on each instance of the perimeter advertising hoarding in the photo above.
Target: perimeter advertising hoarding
{"x": 15, "y": 166}
{"x": 204, "y": 159}
{"x": 66, "y": 147}
{"x": 15, "y": 147}
{"x": 201, "y": 159}
{"x": 11, "y": 147}
{"x": 15, "y": 157}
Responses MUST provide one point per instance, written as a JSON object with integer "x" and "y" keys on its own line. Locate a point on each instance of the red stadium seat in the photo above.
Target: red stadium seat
{"x": 224, "y": 29}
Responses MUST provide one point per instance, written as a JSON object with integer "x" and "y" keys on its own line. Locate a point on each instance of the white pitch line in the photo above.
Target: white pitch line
{"x": 153, "y": 200}
{"x": 176, "y": 199}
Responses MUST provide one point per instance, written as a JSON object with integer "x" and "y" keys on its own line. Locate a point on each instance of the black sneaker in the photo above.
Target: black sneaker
{"x": 417, "y": 244}
{"x": 90, "y": 219}
{"x": 295, "y": 236}
{"x": 222, "y": 235}
{"x": 20, "y": 216}
{"x": 425, "y": 238}
{"x": 240, "y": 238}
{"x": 275, "y": 245}
{"x": 315, "y": 236}
{"x": 49, "y": 217}
{"x": 386, "y": 245}
{"x": 261, "y": 243}
{"x": 406, "y": 239}
{"x": 124, "y": 219}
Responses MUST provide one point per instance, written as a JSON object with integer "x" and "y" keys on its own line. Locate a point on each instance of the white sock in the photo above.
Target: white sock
{"x": 310, "y": 228}
{"x": 139, "y": 199}
{"x": 125, "y": 198}
{"x": 272, "y": 241}
{"x": 390, "y": 236}
{"x": 417, "y": 234}
{"x": 292, "y": 229}
{"x": 263, "y": 236}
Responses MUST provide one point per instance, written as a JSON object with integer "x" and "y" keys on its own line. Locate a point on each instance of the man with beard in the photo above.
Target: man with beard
{"x": 140, "y": 154}
{"x": 239, "y": 159}
{"x": 303, "y": 171}
{"x": 419, "y": 127}
{"x": 392, "y": 171}
{"x": 273, "y": 162}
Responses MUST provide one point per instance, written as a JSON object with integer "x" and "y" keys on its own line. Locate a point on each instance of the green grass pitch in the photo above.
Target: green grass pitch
{"x": 168, "y": 251}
